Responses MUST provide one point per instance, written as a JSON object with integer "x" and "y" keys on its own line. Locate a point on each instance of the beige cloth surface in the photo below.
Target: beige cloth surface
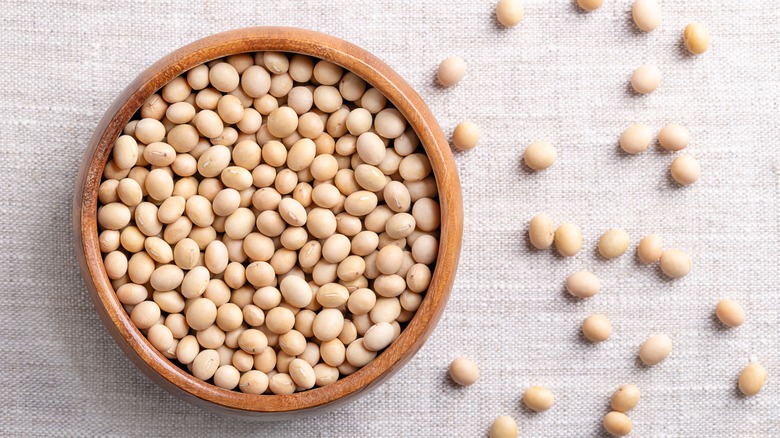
{"x": 561, "y": 75}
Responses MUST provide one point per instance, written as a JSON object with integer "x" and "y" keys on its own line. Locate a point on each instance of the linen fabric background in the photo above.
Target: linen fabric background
{"x": 561, "y": 75}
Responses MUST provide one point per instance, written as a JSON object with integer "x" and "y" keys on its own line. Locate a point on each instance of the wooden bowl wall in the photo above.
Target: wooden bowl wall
{"x": 129, "y": 338}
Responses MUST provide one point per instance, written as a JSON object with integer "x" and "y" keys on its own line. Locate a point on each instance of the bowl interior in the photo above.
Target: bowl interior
{"x": 317, "y": 45}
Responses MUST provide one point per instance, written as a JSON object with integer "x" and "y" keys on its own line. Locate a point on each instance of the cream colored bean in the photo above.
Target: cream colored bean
{"x": 686, "y": 170}
{"x": 224, "y": 77}
{"x": 646, "y": 14}
{"x": 675, "y": 263}
{"x": 538, "y": 398}
{"x": 292, "y": 212}
{"x": 171, "y": 209}
{"x": 386, "y": 309}
{"x": 166, "y": 277}
{"x": 145, "y": 314}
{"x": 325, "y": 374}
{"x": 451, "y": 71}
{"x": 509, "y": 12}
{"x": 158, "y": 249}
{"x": 131, "y": 294}
{"x": 583, "y": 284}
{"x": 541, "y": 231}
{"x": 465, "y": 136}
{"x": 301, "y": 154}
{"x": 674, "y": 137}
{"x": 229, "y": 317}
{"x": 296, "y": 291}
{"x": 650, "y": 248}
{"x": 425, "y": 249}
{"x": 414, "y": 167}
{"x": 617, "y": 424}
{"x": 636, "y": 138}
{"x": 568, "y": 240}
{"x": 427, "y": 214}
{"x": 125, "y": 152}
{"x": 292, "y": 343}
{"x": 597, "y": 328}
{"x": 302, "y": 373}
{"x": 201, "y": 314}
{"x": 625, "y": 398}
{"x": 149, "y": 130}
{"x": 357, "y": 354}
{"x": 397, "y": 197}
{"x": 730, "y": 313}
{"x": 159, "y": 154}
{"x": 590, "y": 5}
{"x": 646, "y": 79}
{"x": 116, "y": 264}
{"x": 540, "y": 155}
{"x": 187, "y": 349}
{"x": 253, "y": 382}
{"x": 752, "y": 379}
{"x": 613, "y": 243}
{"x": 503, "y": 427}
{"x": 361, "y": 301}
{"x": 655, "y": 349}
{"x": 389, "y": 259}
{"x": 696, "y": 38}
{"x": 364, "y": 243}
{"x": 371, "y": 148}
{"x": 280, "y": 320}
{"x": 418, "y": 278}
{"x": 328, "y": 324}
{"x": 109, "y": 240}
{"x": 332, "y": 295}
{"x": 464, "y": 371}
{"x": 327, "y": 98}
{"x": 370, "y": 177}
{"x": 389, "y": 123}
{"x": 113, "y": 216}
{"x": 205, "y": 364}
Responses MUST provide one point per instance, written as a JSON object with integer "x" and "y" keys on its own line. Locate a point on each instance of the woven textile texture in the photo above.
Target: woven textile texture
{"x": 561, "y": 75}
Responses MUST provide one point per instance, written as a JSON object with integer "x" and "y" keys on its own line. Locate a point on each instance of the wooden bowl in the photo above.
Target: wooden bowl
{"x": 129, "y": 338}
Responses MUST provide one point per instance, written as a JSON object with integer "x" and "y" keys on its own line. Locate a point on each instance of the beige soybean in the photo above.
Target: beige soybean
{"x": 540, "y": 155}
{"x": 538, "y": 398}
{"x": 568, "y": 239}
{"x": 752, "y": 379}
{"x": 302, "y": 373}
{"x": 145, "y": 314}
{"x": 328, "y": 324}
{"x": 509, "y": 12}
{"x": 125, "y": 152}
{"x": 113, "y": 216}
{"x": 730, "y": 313}
{"x": 613, "y": 243}
{"x": 201, "y": 313}
{"x": 503, "y": 427}
{"x": 696, "y": 38}
{"x": 465, "y": 136}
{"x": 451, "y": 71}
{"x": 378, "y": 337}
{"x": 464, "y": 371}
{"x": 617, "y": 424}
{"x": 583, "y": 284}
{"x": 646, "y": 79}
{"x": 205, "y": 364}
{"x": 253, "y": 382}
{"x": 636, "y": 138}
{"x": 646, "y": 14}
{"x": 674, "y": 137}
{"x": 675, "y": 263}
{"x": 625, "y": 398}
{"x": 597, "y": 328}
{"x": 590, "y": 5}
{"x": 685, "y": 169}
{"x": 541, "y": 231}
{"x": 655, "y": 349}
{"x": 650, "y": 248}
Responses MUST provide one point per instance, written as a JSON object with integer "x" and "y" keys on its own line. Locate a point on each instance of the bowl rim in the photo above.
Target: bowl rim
{"x": 292, "y": 40}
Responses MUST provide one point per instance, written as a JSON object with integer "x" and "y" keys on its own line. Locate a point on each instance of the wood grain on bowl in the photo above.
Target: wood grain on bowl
{"x": 130, "y": 339}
